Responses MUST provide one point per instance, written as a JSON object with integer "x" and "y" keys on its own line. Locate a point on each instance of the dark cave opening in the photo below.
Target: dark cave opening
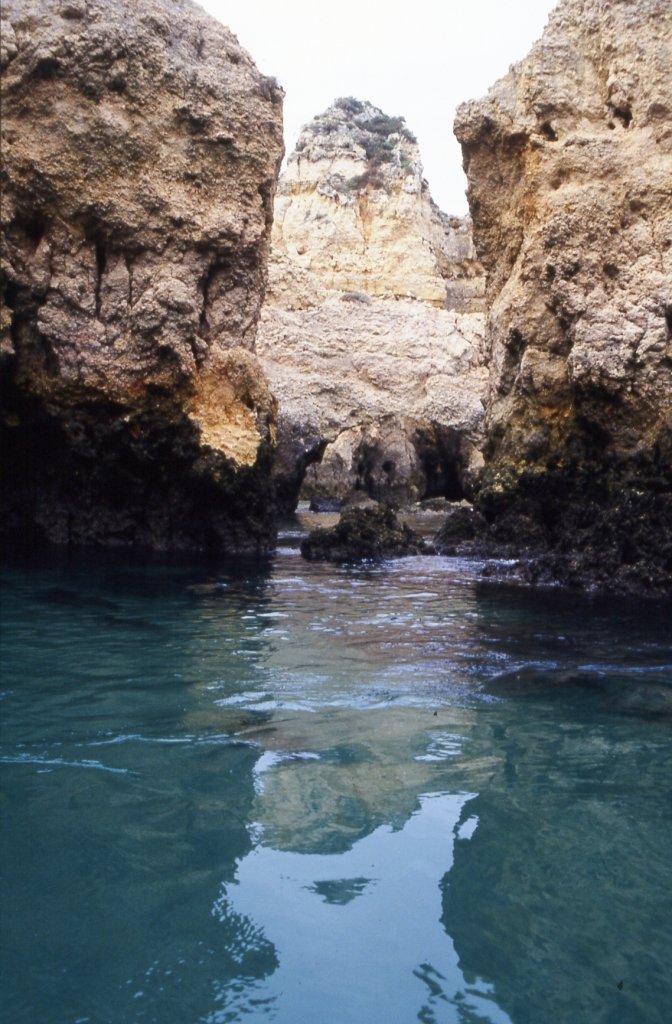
{"x": 46, "y": 69}
{"x": 11, "y": 294}
{"x": 101, "y": 266}
{"x": 622, "y": 114}
{"x": 440, "y": 453}
{"x": 27, "y": 226}
{"x": 443, "y": 478}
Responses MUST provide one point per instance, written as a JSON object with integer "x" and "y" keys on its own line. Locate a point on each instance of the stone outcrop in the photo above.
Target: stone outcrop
{"x": 354, "y": 210}
{"x": 378, "y": 396}
{"x": 371, "y": 333}
{"x": 363, "y": 534}
{"x": 140, "y": 151}
{"x": 569, "y": 162}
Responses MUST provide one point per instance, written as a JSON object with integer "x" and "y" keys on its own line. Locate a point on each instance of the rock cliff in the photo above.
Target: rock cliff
{"x": 372, "y": 327}
{"x": 140, "y": 150}
{"x": 354, "y": 209}
{"x": 569, "y": 162}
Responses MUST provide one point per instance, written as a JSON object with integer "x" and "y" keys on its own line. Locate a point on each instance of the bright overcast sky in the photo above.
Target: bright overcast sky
{"x": 417, "y": 58}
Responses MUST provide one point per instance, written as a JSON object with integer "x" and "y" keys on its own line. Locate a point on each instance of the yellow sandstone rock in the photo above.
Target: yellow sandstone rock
{"x": 371, "y": 332}
{"x": 140, "y": 154}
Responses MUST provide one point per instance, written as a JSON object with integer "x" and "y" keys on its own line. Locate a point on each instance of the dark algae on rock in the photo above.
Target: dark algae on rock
{"x": 603, "y": 527}
{"x": 140, "y": 150}
{"x": 462, "y": 530}
{"x": 369, "y": 533}
{"x": 568, "y": 160}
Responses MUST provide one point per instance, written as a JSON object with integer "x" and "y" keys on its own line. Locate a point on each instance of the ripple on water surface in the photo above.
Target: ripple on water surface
{"x": 225, "y": 792}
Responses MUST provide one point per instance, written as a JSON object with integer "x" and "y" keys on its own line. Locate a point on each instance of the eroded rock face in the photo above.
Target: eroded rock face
{"x": 371, "y": 333}
{"x": 140, "y": 151}
{"x": 353, "y": 209}
{"x": 569, "y": 161}
{"x": 378, "y": 396}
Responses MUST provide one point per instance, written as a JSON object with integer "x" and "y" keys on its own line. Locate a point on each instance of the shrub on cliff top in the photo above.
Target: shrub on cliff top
{"x": 384, "y": 125}
{"x": 369, "y": 178}
{"x": 349, "y": 104}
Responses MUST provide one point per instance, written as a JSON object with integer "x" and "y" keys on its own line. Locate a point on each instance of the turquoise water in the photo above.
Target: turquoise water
{"x": 304, "y": 794}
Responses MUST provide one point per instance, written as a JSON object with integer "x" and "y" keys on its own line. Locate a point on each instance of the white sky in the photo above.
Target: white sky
{"x": 415, "y": 58}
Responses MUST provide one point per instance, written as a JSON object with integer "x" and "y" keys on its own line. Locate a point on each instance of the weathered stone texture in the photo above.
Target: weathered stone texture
{"x": 379, "y": 396}
{"x": 354, "y": 209}
{"x": 140, "y": 149}
{"x": 569, "y": 161}
{"x": 371, "y": 333}
{"x": 363, "y": 534}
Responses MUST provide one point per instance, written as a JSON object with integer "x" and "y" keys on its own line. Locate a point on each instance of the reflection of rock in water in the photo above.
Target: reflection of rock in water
{"x": 244, "y": 942}
{"x": 350, "y": 778}
{"x": 618, "y": 693}
{"x": 341, "y": 890}
{"x": 330, "y": 805}
{"x": 543, "y": 901}
{"x": 340, "y": 925}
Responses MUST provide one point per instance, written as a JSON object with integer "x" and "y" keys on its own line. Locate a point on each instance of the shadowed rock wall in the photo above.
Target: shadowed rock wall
{"x": 140, "y": 151}
{"x": 569, "y": 162}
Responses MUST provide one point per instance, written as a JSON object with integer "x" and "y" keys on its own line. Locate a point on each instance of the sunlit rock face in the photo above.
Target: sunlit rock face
{"x": 569, "y": 163}
{"x": 353, "y": 208}
{"x": 371, "y": 332}
{"x": 140, "y": 153}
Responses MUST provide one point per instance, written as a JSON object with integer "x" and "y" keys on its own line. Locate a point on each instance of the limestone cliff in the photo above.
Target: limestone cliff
{"x": 569, "y": 161}
{"x": 354, "y": 209}
{"x": 371, "y": 329}
{"x": 140, "y": 149}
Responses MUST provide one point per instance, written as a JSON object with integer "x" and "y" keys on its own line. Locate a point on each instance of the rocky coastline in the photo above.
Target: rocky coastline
{"x": 140, "y": 151}
{"x": 184, "y": 354}
{"x": 568, "y": 161}
{"x": 371, "y": 334}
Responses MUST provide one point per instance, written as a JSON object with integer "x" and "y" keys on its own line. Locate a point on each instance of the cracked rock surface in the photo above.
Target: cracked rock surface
{"x": 569, "y": 162}
{"x": 371, "y": 332}
{"x": 140, "y": 150}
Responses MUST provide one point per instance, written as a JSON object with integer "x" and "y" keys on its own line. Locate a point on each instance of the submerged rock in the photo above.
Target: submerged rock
{"x": 568, "y": 160}
{"x": 463, "y": 527}
{"x": 140, "y": 153}
{"x": 363, "y": 534}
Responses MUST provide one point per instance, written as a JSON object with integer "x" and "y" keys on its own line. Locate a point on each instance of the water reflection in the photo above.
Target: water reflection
{"x": 561, "y": 899}
{"x": 356, "y": 813}
{"x": 332, "y": 777}
{"x": 395, "y": 790}
{"x": 344, "y": 932}
{"x": 521, "y": 861}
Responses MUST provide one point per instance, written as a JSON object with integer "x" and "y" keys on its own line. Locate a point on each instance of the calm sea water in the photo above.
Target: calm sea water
{"x": 307, "y": 794}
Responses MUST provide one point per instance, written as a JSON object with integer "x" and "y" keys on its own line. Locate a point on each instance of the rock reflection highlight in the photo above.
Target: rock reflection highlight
{"x": 303, "y": 793}
{"x": 359, "y": 931}
{"x": 327, "y": 780}
{"x": 561, "y": 898}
